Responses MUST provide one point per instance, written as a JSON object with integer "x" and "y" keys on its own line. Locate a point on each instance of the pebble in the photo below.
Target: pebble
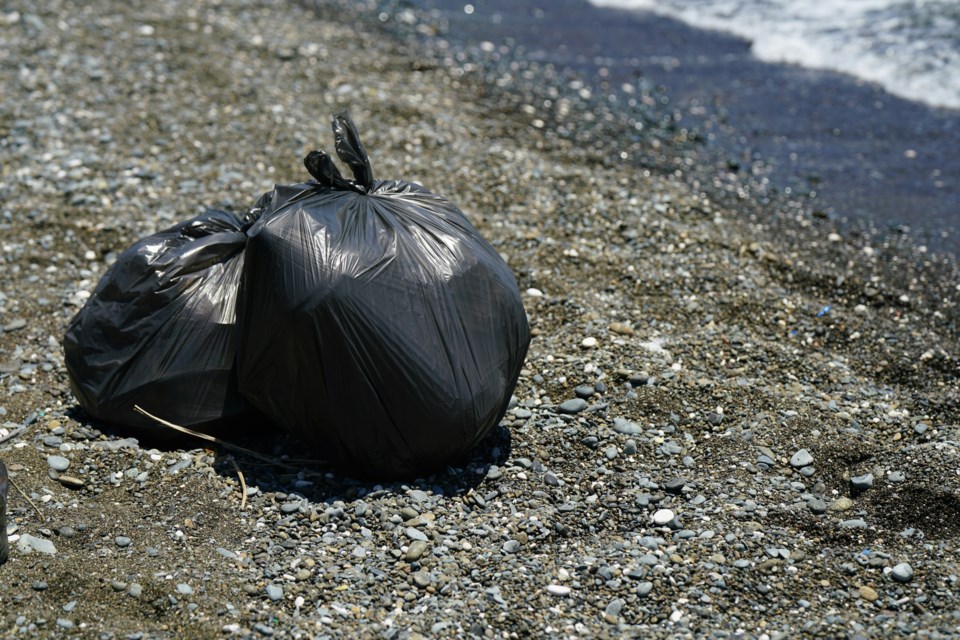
{"x": 862, "y": 483}
{"x": 184, "y": 589}
{"x": 841, "y": 504}
{"x": 415, "y": 534}
{"x": 511, "y": 546}
{"x": 274, "y": 592}
{"x": 675, "y": 485}
{"x": 855, "y": 523}
{"x": 902, "y": 572}
{"x": 817, "y": 506}
{"x": 122, "y": 541}
{"x": 574, "y": 405}
{"x": 663, "y": 516}
{"x": 558, "y": 589}
{"x": 58, "y": 463}
{"x": 415, "y": 550}
{"x": 801, "y": 458}
{"x": 584, "y": 391}
{"x": 626, "y": 427}
{"x": 868, "y": 593}
{"x": 29, "y": 543}
{"x": 621, "y": 329}
{"x": 588, "y": 343}
{"x": 70, "y": 482}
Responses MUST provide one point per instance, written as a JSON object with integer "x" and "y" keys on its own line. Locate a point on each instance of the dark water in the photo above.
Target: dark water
{"x": 853, "y": 151}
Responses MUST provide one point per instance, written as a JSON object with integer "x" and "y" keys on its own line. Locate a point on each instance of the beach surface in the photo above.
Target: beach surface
{"x": 736, "y": 418}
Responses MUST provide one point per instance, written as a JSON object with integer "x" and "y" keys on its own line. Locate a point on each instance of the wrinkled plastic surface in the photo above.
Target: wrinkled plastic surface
{"x": 159, "y": 329}
{"x": 375, "y": 322}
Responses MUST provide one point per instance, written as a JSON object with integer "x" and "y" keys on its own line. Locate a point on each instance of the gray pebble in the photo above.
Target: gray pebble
{"x": 862, "y": 483}
{"x": 817, "y": 505}
{"x": 630, "y": 447}
{"x": 263, "y": 629}
{"x": 920, "y": 428}
{"x": 29, "y": 543}
{"x": 644, "y": 588}
{"x": 575, "y": 405}
{"x": 896, "y": 476}
{"x": 274, "y": 592}
{"x": 855, "y": 523}
{"x": 584, "y": 391}
{"x": 63, "y": 623}
{"x": 511, "y": 546}
{"x": 122, "y": 541}
{"x": 801, "y": 458}
{"x": 415, "y": 534}
{"x": 902, "y": 572}
{"x": 184, "y": 589}
{"x": 626, "y": 427}
{"x": 58, "y": 463}
{"x": 39, "y": 585}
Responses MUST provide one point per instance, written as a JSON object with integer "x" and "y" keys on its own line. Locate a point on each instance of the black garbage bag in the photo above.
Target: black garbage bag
{"x": 375, "y": 322}
{"x": 159, "y": 329}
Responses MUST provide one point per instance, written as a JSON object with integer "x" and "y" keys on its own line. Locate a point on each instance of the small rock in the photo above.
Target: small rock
{"x": 70, "y": 482}
{"x": 28, "y": 543}
{"x": 675, "y": 485}
{"x": 511, "y": 546}
{"x": 558, "y": 589}
{"x": 817, "y": 506}
{"x": 184, "y": 589}
{"x": 415, "y": 550}
{"x": 663, "y": 516}
{"x": 626, "y": 427}
{"x": 841, "y": 504}
{"x": 644, "y": 588}
{"x": 588, "y": 343}
{"x": 122, "y": 541}
{"x": 584, "y": 391}
{"x": 862, "y": 483}
{"x": 868, "y": 593}
{"x": 855, "y": 523}
{"x": 903, "y": 572}
{"x": 621, "y": 328}
{"x": 58, "y": 463}
{"x": 575, "y": 405}
{"x": 274, "y": 592}
{"x": 801, "y": 458}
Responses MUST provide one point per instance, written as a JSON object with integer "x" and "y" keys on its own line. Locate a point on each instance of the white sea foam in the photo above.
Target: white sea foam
{"x": 910, "y": 47}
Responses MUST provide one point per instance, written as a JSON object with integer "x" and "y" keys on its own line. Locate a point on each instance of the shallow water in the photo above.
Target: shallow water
{"x": 860, "y": 154}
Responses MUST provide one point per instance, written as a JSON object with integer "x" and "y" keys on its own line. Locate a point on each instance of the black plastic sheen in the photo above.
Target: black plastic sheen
{"x": 375, "y": 322}
{"x": 159, "y": 329}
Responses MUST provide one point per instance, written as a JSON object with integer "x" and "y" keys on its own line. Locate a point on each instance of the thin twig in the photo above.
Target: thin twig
{"x": 27, "y": 498}
{"x": 13, "y": 434}
{"x": 243, "y": 484}
{"x": 223, "y": 443}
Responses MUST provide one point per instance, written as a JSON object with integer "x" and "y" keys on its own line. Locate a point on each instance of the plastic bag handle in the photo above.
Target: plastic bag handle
{"x": 351, "y": 151}
{"x": 321, "y": 167}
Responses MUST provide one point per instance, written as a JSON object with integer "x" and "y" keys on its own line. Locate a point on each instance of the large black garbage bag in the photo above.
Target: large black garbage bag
{"x": 375, "y": 322}
{"x": 159, "y": 329}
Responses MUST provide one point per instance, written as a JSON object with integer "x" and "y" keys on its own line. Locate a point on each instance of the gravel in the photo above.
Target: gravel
{"x": 688, "y": 431}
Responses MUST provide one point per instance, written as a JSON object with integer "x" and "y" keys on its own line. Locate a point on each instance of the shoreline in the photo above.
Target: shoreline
{"x": 742, "y": 375}
{"x": 873, "y": 162}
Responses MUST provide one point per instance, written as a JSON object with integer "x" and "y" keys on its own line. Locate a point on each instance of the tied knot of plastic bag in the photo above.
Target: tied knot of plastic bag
{"x": 351, "y": 151}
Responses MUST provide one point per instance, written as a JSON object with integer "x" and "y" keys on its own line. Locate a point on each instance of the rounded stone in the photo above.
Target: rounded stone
{"x": 663, "y": 517}
{"x": 574, "y": 405}
{"x": 902, "y": 572}
{"x": 58, "y": 463}
{"x": 801, "y": 458}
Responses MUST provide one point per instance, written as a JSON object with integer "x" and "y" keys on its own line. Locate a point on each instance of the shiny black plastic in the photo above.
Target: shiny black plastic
{"x": 159, "y": 329}
{"x": 375, "y": 322}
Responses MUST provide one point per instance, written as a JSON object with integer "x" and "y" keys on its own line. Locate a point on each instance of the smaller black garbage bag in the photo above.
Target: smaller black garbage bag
{"x": 159, "y": 329}
{"x": 375, "y": 323}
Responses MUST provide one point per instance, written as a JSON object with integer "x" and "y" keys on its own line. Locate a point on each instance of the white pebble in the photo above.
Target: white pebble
{"x": 534, "y": 293}
{"x": 558, "y": 589}
{"x": 663, "y": 516}
{"x": 589, "y": 343}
